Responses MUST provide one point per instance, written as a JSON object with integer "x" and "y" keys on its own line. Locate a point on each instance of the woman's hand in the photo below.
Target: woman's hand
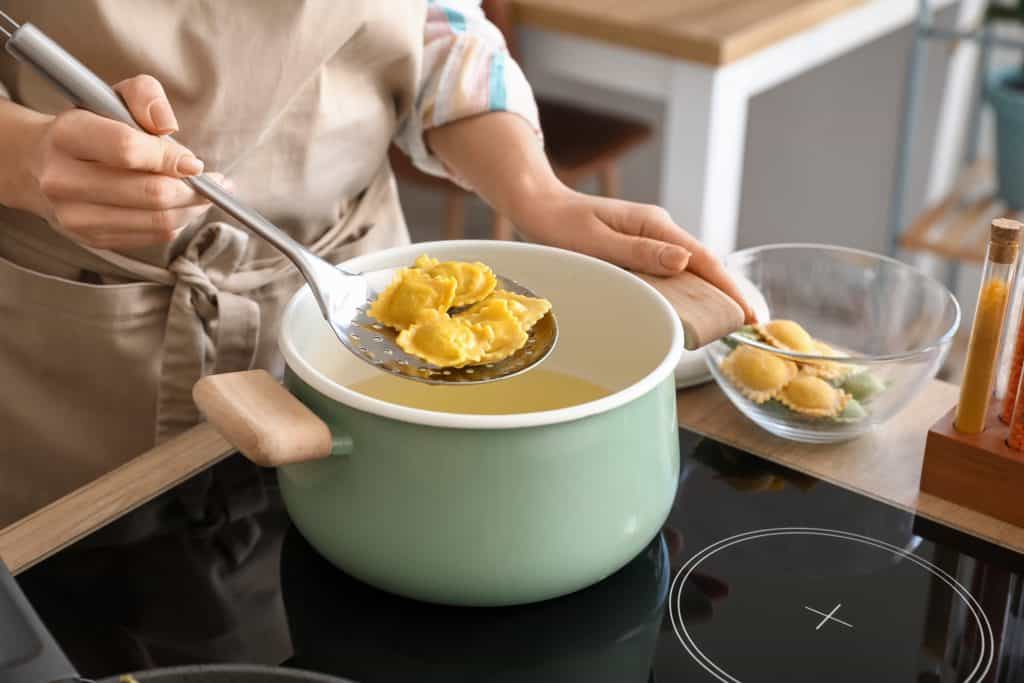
{"x": 106, "y": 184}
{"x": 640, "y": 237}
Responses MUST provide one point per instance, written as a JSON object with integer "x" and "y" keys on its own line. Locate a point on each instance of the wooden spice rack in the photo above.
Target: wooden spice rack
{"x": 978, "y": 471}
{"x": 956, "y": 227}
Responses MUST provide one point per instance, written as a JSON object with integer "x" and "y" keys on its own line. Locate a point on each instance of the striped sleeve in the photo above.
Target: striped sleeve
{"x": 467, "y": 70}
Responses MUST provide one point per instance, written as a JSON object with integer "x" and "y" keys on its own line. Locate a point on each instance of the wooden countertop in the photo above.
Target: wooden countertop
{"x": 707, "y": 31}
{"x": 885, "y": 465}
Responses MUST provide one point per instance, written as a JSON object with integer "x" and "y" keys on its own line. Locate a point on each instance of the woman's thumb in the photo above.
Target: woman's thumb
{"x": 148, "y": 104}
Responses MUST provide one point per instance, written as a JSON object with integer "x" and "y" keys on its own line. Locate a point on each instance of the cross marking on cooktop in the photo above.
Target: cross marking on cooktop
{"x": 828, "y": 617}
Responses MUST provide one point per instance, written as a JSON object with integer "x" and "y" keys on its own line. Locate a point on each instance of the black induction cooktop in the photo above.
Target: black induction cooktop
{"x": 759, "y": 574}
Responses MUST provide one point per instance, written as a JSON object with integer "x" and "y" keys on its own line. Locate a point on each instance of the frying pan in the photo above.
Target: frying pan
{"x": 29, "y": 653}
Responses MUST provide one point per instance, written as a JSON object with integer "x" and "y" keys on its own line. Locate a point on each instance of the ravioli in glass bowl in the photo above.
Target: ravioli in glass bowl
{"x": 867, "y": 332}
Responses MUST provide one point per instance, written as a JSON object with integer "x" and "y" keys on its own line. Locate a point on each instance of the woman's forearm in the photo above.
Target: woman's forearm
{"x": 18, "y": 126}
{"x": 500, "y": 157}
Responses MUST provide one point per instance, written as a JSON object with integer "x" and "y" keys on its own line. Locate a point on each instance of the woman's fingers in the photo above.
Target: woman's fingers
{"x": 72, "y": 180}
{"x": 640, "y": 253}
{"x": 107, "y": 227}
{"x": 148, "y": 104}
{"x": 111, "y": 185}
{"x": 88, "y": 137}
{"x": 645, "y": 222}
{"x": 92, "y": 183}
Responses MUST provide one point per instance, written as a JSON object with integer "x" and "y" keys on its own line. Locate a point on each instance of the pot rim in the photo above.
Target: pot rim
{"x": 319, "y": 381}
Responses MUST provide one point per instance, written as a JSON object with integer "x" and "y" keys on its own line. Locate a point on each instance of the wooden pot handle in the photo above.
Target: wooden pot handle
{"x": 266, "y": 423}
{"x": 707, "y": 313}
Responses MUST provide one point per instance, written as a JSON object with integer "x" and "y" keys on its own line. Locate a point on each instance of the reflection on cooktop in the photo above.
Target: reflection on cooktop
{"x": 606, "y": 633}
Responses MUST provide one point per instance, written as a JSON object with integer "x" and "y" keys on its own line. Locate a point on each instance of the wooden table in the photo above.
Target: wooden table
{"x": 708, "y": 31}
{"x": 885, "y": 466}
{"x": 705, "y": 60}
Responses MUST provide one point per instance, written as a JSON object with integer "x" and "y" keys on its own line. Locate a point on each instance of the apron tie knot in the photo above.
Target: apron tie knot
{"x": 209, "y": 329}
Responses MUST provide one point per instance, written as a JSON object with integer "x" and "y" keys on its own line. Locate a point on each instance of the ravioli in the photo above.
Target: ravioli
{"x": 475, "y": 280}
{"x": 425, "y": 262}
{"x": 787, "y": 335}
{"x": 829, "y": 370}
{"x": 444, "y": 341}
{"x": 863, "y": 386}
{"x": 417, "y": 303}
{"x": 813, "y": 396}
{"x": 758, "y": 374}
{"x": 509, "y": 335}
{"x": 824, "y": 388}
{"x": 526, "y": 309}
{"x": 412, "y": 293}
{"x": 853, "y": 412}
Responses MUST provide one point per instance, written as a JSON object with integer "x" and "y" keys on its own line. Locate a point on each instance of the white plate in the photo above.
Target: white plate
{"x": 692, "y": 369}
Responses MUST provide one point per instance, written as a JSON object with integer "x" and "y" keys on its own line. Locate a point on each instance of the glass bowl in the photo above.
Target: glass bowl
{"x": 890, "y": 324}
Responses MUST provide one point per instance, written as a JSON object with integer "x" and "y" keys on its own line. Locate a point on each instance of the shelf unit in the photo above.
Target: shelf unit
{"x": 954, "y": 228}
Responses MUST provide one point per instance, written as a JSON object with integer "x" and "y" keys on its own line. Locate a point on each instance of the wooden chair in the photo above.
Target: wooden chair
{"x": 580, "y": 144}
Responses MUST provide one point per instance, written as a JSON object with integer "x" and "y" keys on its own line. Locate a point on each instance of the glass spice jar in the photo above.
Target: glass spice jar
{"x": 1006, "y": 387}
{"x": 1016, "y": 364}
{"x": 983, "y": 349}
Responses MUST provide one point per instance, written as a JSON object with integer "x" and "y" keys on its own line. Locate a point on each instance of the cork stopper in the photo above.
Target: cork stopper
{"x": 1004, "y": 240}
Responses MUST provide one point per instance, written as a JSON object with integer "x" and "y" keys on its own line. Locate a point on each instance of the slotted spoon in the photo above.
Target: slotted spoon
{"x": 343, "y": 297}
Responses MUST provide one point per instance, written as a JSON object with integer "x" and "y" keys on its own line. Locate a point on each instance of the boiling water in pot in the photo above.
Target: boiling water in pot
{"x": 530, "y": 392}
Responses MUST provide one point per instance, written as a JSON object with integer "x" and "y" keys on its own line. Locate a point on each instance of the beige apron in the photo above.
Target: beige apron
{"x": 297, "y": 102}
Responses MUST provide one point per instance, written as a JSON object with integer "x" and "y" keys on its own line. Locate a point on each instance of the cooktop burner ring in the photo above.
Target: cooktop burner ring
{"x": 986, "y": 649}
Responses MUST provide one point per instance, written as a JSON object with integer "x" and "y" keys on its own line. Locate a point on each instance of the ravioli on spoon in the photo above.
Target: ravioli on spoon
{"x": 451, "y": 315}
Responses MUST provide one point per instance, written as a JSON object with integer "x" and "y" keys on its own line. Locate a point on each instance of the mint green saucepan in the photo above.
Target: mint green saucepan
{"x": 471, "y": 509}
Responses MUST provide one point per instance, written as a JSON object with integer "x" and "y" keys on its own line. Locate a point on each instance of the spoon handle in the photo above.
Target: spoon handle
{"x": 86, "y": 90}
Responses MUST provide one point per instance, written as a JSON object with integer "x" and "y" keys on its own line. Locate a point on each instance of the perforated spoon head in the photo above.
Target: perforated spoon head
{"x": 345, "y": 300}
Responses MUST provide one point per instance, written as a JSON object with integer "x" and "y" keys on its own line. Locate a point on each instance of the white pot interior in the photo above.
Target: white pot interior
{"x": 614, "y": 330}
